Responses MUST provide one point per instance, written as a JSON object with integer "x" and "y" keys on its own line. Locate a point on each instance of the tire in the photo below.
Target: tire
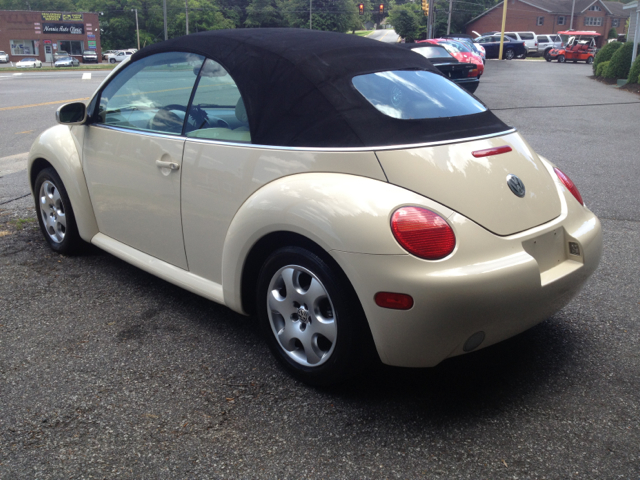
{"x": 112, "y": 60}
{"x": 561, "y": 58}
{"x": 509, "y": 54}
{"x": 311, "y": 318}
{"x": 547, "y": 57}
{"x": 589, "y": 60}
{"x": 55, "y": 214}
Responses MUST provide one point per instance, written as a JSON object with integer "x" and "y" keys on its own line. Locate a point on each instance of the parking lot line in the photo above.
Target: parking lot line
{"x": 45, "y": 103}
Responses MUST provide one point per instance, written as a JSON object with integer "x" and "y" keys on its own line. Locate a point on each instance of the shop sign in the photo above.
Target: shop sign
{"x": 89, "y": 25}
{"x": 47, "y": 41}
{"x": 61, "y": 17}
{"x": 90, "y": 36}
{"x": 64, "y": 28}
{"x": 92, "y": 44}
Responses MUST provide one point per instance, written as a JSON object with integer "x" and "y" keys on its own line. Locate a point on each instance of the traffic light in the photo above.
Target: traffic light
{"x": 382, "y": 9}
{"x": 426, "y": 10}
{"x": 361, "y": 8}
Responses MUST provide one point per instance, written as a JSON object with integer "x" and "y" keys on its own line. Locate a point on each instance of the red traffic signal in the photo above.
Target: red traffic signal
{"x": 381, "y": 8}
{"x": 361, "y": 8}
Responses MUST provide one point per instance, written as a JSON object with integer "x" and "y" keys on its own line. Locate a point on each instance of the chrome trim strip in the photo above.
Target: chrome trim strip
{"x": 313, "y": 149}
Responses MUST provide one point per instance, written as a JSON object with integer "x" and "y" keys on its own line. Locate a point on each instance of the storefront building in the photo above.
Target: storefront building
{"x": 42, "y": 34}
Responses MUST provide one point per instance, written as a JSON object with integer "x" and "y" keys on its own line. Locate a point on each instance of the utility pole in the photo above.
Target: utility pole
{"x": 310, "y": 27}
{"x": 573, "y": 6}
{"x": 504, "y": 22}
{"x": 137, "y": 28}
{"x": 449, "y": 19}
{"x": 186, "y": 14}
{"x": 164, "y": 13}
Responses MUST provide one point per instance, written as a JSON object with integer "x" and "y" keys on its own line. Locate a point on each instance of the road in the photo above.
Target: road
{"x": 107, "y": 371}
{"x": 387, "y": 35}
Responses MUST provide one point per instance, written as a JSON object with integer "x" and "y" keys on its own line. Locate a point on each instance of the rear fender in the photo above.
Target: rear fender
{"x": 61, "y": 147}
{"x": 338, "y": 212}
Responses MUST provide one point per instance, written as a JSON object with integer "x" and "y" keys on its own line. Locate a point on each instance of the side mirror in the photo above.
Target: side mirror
{"x": 72, "y": 114}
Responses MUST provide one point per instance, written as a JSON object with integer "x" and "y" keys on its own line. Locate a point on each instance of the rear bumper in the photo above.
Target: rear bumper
{"x": 469, "y": 84}
{"x": 499, "y": 286}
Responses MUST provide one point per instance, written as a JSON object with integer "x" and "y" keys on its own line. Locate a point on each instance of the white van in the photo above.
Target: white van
{"x": 529, "y": 39}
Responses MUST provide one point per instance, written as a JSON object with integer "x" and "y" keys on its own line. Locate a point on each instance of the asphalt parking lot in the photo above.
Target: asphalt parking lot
{"x": 106, "y": 371}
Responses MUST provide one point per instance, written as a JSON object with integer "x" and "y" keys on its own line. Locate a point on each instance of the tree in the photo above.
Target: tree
{"x": 406, "y": 21}
{"x": 330, "y": 15}
{"x": 613, "y": 33}
{"x": 264, "y": 13}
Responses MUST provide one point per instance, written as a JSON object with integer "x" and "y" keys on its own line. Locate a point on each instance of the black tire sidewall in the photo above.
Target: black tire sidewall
{"x": 72, "y": 241}
{"x": 348, "y": 356}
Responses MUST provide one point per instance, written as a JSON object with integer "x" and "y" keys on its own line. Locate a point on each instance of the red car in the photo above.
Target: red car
{"x": 460, "y": 52}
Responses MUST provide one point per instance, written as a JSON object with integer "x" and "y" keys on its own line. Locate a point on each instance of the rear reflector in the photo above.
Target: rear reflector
{"x": 491, "y": 151}
{"x": 566, "y": 181}
{"x": 396, "y": 301}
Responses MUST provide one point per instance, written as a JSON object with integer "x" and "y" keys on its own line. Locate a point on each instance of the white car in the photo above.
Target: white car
{"x": 356, "y": 201}
{"x": 29, "y": 63}
{"x": 119, "y": 56}
{"x": 4, "y": 58}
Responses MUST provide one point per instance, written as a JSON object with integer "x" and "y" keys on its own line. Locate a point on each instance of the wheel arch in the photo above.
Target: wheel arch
{"x": 59, "y": 148}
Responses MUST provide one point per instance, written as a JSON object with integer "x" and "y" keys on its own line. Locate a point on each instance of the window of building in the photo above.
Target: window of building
{"x": 24, "y": 47}
{"x": 72, "y": 47}
{"x": 592, "y": 21}
{"x": 540, "y": 21}
{"x": 594, "y": 8}
{"x": 562, "y": 20}
{"x": 615, "y": 22}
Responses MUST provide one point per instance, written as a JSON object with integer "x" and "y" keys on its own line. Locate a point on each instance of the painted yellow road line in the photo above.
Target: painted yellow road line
{"x": 59, "y": 102}
{"x": 26, "y": 131}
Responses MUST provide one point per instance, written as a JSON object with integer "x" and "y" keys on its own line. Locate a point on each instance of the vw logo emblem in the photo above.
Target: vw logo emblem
{"x": 516, "y": 185}
{"x": 303, "y": 315}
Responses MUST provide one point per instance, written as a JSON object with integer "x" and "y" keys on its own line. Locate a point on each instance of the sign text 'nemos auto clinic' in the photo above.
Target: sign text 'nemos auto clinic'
{"x": 63, "y": 28}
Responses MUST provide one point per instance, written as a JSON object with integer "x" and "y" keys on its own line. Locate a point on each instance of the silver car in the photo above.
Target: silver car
{"x": 548, "y": 42}
{"x": 67, "y": 62}
{"x": 4, "y": 58}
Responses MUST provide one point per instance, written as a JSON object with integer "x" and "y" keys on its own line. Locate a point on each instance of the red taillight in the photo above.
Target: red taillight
{"x": 566, "y": 181}
{"x": 473, "y": 73}
{"x": 423, "y": 233}
{"x": 491, "y": 151}
{"x": 397, "y": 301}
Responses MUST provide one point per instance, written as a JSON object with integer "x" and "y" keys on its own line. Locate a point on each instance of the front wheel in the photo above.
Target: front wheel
{"x": 509, "y": 54}
{"x": 113, "y": 60}
{"x": 547, "y": 57}
{"x": 311, "y": 317}
{"x": 589, "y": 60}
{"x": 55, "y": 215}
{"x": 561, "y": 59}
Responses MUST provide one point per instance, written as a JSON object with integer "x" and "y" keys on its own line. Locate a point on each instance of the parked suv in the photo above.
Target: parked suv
{"x": 529, "y": 39}
{"x": 90, "y": 56}
{"x": 548, "y": 42}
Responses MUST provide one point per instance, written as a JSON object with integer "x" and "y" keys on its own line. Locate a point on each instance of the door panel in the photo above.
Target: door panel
{"x": 136, "y": 201}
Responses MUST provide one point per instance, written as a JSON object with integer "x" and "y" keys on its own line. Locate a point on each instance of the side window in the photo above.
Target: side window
{"x": 217, "y": 111}
{"x": 542, "y": 39}
{"x": 151, "y": 94}
{"x": 529, "y": 36}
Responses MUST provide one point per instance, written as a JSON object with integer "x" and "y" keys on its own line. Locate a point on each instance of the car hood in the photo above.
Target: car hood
{"x": 477, "y": 187}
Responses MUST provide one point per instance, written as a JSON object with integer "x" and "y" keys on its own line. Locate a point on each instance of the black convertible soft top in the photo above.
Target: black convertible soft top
{"x": 298, "y": 91}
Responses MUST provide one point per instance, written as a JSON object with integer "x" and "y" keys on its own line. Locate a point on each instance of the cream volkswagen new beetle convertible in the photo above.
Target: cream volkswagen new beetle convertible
{"x": 340, "y": 189}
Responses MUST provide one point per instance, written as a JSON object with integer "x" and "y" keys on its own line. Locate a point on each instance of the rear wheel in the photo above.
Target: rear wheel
{"x": 547, "y": 57}
{"x": 589, "y": 60}
{"x": 561, "y": 59}
{"x": 509, "y": 54}
{"x": 55, "y": 214}
{"x": 311, "y": 317}
{"x": 113, "y": 60}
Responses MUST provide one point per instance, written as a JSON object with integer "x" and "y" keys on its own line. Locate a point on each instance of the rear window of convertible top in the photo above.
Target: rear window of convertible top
{"x": 416, "y": 94}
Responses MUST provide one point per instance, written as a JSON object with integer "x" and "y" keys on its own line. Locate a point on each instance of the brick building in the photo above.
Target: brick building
{"x": 552, "y": 16}
{"x": 41, "y": 34}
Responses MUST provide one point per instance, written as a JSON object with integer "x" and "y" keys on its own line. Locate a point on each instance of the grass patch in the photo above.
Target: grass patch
{"x": 363, "y": 33}
{"x": 20, "y": 223}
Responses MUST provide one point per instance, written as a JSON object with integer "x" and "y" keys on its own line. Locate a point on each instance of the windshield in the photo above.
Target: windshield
{"x": 415, "y": 94}
{"x": 432, "y": 52}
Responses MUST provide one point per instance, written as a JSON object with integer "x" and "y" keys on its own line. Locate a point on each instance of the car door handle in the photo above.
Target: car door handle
{"x": 170, "y": 165}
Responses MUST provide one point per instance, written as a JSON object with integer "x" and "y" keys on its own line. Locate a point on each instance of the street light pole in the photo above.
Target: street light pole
{"x": 573, "y": 6}
{"x": 310, "y": 28}
{"x": 449, "y": 19}
{"x": 137, "y": 28}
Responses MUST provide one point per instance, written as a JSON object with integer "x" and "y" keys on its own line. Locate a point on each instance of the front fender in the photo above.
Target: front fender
{"x": 339, "y": 212}
{"x": 61, "y": 146}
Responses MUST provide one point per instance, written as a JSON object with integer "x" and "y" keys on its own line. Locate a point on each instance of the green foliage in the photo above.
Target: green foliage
{"x": 406, "y": 20}
{"x": 331, "y": 15}
{"x": 613, "y": 33}
{"x": 634, "y": 73}
{"x": 620, "y": 63}
{"x": 605, "y": 54}
{"x": 601, "y": 68}
{"x": 264, "y": 13}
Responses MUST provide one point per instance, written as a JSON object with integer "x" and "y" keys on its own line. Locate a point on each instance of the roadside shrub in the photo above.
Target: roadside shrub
{"x": 605, "y": 54}
{"x": 634, "y": 73}
{"x": 612, "y": 33}
{"x": 601, "y": 67}
{"x": 620, "y": 63}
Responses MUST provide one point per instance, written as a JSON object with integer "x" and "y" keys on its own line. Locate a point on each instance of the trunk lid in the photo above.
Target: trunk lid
{"x": 477, "y": 187}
